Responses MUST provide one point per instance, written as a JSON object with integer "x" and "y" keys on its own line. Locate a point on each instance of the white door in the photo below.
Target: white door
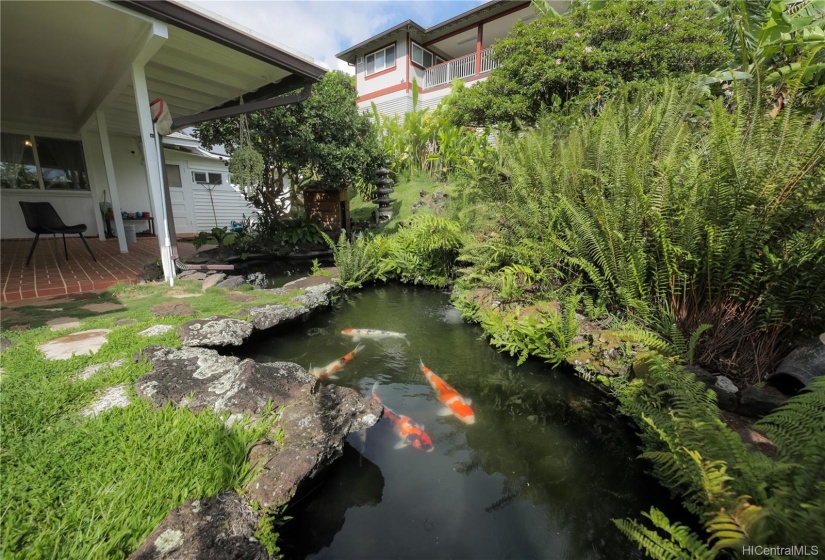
{"x": 183, "y": 209}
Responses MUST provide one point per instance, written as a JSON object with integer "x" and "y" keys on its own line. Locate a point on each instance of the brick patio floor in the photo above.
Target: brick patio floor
{"x": 49, "y": 274}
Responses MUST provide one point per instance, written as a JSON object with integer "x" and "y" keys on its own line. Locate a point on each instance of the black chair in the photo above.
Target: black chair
{"x": 41, "y": 217}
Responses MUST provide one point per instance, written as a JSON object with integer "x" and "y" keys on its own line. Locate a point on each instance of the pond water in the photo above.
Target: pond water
{"x": 546, "y": 466}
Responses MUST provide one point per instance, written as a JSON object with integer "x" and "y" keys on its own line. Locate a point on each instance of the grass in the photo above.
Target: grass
{"x": 406, "y": 194}
{"x": 75, "y": 487}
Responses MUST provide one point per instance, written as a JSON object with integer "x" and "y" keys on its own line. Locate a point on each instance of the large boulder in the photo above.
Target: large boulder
{"x": 217, "y": 330}
{"x": 214, "y": 528}
{"x": 316, "y": 296}
{"x": 199, "y": 378}
{"x": 756, "y": 402}
{"x": 267, "y": 316}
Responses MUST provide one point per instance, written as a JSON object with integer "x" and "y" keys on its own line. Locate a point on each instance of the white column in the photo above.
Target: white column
{"x": 110, "y": 179}
{"x": 96, "y": 186}
{"x": 154, "y": 173}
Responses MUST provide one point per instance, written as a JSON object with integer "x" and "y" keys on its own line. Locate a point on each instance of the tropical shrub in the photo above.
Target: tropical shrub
{"x": 585, "y": 55}
{"x": 742, "y": 497}
{"x": 711, "y": 209}
{"x": 356, "y": 261}
{"x": 425, "y": 251}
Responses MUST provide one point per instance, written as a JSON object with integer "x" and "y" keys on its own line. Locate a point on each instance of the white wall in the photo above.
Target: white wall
{"x": 369, "y": 84}
{"x": 73, "y": 207}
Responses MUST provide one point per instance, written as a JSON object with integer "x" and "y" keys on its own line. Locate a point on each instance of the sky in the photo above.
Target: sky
{"x": 323, "y": 28}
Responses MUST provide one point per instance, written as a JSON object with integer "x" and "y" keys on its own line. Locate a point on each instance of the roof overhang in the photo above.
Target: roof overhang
{"x": 64, "y": 60}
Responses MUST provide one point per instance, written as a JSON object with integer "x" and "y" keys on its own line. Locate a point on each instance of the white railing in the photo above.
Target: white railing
{"x": 487, "y": 62}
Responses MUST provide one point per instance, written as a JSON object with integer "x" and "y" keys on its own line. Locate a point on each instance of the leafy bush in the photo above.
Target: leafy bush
{"x": 586, "y": 55}
{"x": 425, "y": 251}
{"x": 356, "y": 261}
{"x": 743, "y": 497}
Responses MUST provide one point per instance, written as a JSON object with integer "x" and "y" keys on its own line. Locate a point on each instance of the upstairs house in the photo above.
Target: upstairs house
{"x": 387, "y": 63}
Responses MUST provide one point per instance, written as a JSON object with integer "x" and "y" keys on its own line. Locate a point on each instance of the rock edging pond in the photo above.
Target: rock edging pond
{"x": 308, "y": 436}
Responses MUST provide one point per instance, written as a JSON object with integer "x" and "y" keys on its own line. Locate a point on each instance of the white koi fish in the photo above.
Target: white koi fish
{"x": 358, "y": 334}
{"x": 330, "y": 370}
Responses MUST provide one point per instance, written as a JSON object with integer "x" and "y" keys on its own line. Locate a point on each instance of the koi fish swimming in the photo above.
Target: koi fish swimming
{"x": 358, "y": 334}
{"x": 453, "y": 402}
{"x": 329, "y": 372}
{"x": 410, "y": 432}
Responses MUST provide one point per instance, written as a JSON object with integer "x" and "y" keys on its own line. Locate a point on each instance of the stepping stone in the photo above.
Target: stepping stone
{"x": 181, "y": 295}
{"x": 103, "y": 307}
{"x": 53, "y": 309}
{"x": 113, "y": 397}
{"x": 79, "y": 343}
{"x": 212, "y": 280}
{"x": 91, "y": 370}
{"x": 307, "y": 282}
{"x": 124, "y": 322}
{"x": 214, "y": 331}
{"x": 232, "y": 282}
{"x": 63, "y": 323}
{"x": 5, "y": 344}
{"x": 155, "y": 330}
{"x": 240, "y": 297}
{"x": 192, "y": 276}
{"x": 172, "y": 308}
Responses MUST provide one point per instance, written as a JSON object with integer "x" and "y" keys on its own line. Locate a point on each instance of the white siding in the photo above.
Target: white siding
{"x": 229, "y": 205}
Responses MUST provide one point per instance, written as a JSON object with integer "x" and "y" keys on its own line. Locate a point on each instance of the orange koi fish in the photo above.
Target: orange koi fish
{"x": 330, "y": 370}
{"x": 454, "y": 403}
{"x": 409, "y": 432}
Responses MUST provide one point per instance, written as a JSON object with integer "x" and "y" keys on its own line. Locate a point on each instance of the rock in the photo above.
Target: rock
{"x": 181, "y": 295}
{"x": 212, "y": 280}
{"x": 172, "y": 309}
{"x": 192, "y": 275}
{"x": 84, "y": 342}
{"x": 93, "y": 369}
{"x": 267, "y": 316}
{"x": 756, "y": 402}
{"x": 231, "y": 283}
{"x": 307, "y": 282}
{"x": 314, "y": 424}
{"x": 63, "y": 323}
{"x": 240, "y": 297}
{"x": 217, "y": 330}
{"x": 19, "y": 328}
{"x": 5, "y": 344}
{"x": 702, "y": 375}
{"x": 726, "y": 393}
{"x": 156, "y": 330}
{"x": 315, "y": 296}
{"x": 314, "y": 431}
{"x": 103, "y": 307}
{"x": 125, "y": 322}
{"x": 199, "y": 378}
{"x": 800, "y": 367}
{"x": 113, "y": 397}
{"x": 219, "y": 527}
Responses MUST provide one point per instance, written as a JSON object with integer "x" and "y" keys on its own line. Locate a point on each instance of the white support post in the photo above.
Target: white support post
{"x": 96, "y": 186}
{"x": 154, "y": 173}
{"x": 110, "y": 178}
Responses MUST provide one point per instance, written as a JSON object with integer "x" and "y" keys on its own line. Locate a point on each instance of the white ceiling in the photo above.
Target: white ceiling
{"x": 61, "y": 59}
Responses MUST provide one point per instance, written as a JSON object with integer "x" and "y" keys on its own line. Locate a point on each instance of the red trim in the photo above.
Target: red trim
{"x": 380, "y": 92}
{"x": 379, "y": 73}
{"x": 419, "y": 66}
{"x": 482, "y": 22}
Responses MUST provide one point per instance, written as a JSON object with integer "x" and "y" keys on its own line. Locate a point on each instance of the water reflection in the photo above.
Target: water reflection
{"x": 540, "y": 475}
{"x": 351, "y": 482}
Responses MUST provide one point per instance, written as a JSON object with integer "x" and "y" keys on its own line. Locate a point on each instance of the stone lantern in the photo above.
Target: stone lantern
{"x": 381, "y": 195}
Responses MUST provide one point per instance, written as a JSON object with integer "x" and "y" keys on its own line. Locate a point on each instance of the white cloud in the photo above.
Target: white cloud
{"x": 346, "y": 68}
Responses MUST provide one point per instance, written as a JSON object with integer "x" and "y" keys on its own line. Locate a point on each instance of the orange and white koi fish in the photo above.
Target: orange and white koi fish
{"x": 454, "y": 403}
{"x": 358, "y": 334}
{"x": 330, "y": 370}
{"x": 410, "y": 432}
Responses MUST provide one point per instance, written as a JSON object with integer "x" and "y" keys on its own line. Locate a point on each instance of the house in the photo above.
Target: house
{"x": 200, "y": 191}
{"x": 75, "y": 120}
{"x": 387, "y": 63}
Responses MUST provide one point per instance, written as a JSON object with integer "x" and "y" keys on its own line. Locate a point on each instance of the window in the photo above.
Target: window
{"x": 423, "y": 57}
{"x": 28, "y": 162}
{"x": 202, "y": 177}
{"x": 381, "y": 60}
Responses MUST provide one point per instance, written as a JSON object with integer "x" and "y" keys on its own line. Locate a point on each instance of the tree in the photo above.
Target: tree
{"x": 324, "y": 138}
{"x": 586, "y": 54}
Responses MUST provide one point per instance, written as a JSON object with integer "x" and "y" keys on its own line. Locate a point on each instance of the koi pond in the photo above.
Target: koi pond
{"x": 540, "y": 473}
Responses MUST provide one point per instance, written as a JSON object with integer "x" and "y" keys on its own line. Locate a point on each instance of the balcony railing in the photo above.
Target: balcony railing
{"x": 458, "y": 68}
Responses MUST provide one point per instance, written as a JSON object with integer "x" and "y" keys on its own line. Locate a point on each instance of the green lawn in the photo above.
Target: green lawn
{"x": 76, "y": 487}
